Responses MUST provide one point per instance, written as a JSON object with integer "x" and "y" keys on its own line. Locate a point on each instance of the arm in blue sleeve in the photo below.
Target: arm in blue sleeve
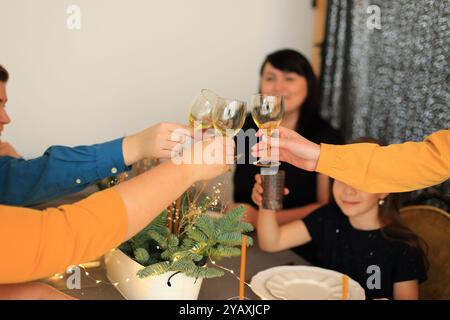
{"x": 59, "y": 171}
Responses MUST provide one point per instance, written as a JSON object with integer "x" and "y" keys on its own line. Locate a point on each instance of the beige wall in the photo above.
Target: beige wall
{"x": 133, "y": 63}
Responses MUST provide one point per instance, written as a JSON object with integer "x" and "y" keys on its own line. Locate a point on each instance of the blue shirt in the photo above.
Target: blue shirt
{"x": 59, "y": 171}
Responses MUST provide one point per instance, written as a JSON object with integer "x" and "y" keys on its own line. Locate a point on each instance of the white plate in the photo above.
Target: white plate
{"x": 303, "y": 283}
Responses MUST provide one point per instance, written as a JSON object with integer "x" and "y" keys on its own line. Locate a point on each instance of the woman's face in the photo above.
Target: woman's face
{"x": 292, "y": 86}
{"x": 354, "y": 202}
{"x": 4, "y": 118}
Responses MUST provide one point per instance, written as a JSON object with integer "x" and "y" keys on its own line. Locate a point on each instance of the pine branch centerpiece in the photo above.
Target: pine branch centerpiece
{"x": 185, "y": 235}
{"x": 192, "y": 230}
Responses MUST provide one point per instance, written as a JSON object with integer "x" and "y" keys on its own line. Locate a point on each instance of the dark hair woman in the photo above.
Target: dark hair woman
{"x": 288, "y": 73}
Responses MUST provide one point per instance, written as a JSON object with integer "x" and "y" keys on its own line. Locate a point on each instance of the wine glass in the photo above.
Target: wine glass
{"x": 267, "y": 112}
{"x": 200, "y": 111}
{"x": 228, "y": 116}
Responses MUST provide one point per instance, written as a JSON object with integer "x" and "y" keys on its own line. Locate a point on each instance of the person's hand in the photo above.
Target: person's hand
{"x": 258, "y": 190}
{"x": 7, "y": 150}
{"x": 208, "y": 158}
{"x": 156, "y": 142}
{"x": 289, "y": 147}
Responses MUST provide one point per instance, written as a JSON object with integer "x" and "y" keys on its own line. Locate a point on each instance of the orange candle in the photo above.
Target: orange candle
{"x": 344, "y": 287}
{"x": 242, "y": 275}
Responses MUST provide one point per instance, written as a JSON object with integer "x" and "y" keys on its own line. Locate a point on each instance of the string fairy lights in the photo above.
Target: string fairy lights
{"x": 59, "y": 276}
{"x": 229, "y": 270}
{"x": 178, "y": 221}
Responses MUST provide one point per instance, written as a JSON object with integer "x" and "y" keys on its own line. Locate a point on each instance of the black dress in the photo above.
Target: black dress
{"x": 361, "y": 254}
{"x": 301, "y": 184}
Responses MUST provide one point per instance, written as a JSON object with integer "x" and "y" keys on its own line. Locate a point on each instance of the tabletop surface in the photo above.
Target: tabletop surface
{"x": 96, "y": 286}
{"x": 221, "y": 288}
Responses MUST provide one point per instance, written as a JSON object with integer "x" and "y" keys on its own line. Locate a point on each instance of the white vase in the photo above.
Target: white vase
{"x": 121, "y": 269}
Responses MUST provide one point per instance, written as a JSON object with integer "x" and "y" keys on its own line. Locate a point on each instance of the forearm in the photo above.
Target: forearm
{"x": 289, "y": 215}
{"x": 41, "y": 243}
{"x": 148, "y": 194}
{"x": 406, "y": 290}
{"x": 35, "y": 244}
{"x": 395, "y": 168}
{"x": 268, "y": 230}
{"x": 59, "y": 171}
{"x": 47, "y": 242}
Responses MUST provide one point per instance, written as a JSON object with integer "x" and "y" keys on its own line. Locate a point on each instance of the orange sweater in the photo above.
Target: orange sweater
{"x": 395, "y": 168}
{"x": 36, "y": 244}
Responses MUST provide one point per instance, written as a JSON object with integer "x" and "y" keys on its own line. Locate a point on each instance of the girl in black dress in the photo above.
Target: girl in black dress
{"x": 359, "y": 234}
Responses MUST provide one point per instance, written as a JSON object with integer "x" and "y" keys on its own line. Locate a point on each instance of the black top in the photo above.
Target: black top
{"x": 301, "y": 184}
{"x": 351, "y": 251}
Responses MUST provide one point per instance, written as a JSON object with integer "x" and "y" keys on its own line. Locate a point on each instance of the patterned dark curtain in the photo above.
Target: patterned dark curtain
{"x": 386, "y": 73}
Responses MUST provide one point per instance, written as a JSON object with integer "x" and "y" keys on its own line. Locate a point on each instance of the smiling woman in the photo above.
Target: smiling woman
{"x": 288, "y": 73}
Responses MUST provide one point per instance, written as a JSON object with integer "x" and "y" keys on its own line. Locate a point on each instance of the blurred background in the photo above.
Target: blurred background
{"x": 383, "y": 65}
{"x": 133, "y": 63}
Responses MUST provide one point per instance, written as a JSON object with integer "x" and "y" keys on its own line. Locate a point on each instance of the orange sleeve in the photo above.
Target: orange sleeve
{"x": 36, "y": 244}
{"x": 395, "y": 168}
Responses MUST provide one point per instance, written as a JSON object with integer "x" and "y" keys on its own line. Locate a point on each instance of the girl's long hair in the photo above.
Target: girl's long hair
{"x": 393, "y": 227}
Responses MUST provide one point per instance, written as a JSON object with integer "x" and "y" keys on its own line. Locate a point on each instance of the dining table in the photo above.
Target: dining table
{"x": 96, "y": 286}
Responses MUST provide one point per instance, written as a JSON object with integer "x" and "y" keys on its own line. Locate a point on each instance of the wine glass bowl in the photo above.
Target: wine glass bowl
{"x": 228, "y": 116}
{"x": 200, "y": 111}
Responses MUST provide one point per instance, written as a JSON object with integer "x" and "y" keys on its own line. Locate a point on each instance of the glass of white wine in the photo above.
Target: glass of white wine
{"x": 228, "y": 116}
{"x": 200, "y": 111}
{"x": 267, "y": 112}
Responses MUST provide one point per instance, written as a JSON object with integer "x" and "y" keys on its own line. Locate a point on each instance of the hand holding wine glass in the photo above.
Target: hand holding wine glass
{"x": 293, "y": 148}
{"x": 267, "y": 112}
